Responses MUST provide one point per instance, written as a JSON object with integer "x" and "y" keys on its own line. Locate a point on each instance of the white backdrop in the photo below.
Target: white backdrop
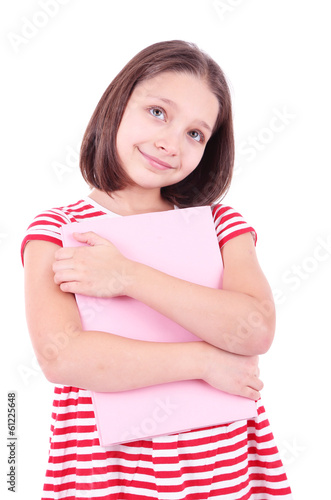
{"x": 57, "y": 59}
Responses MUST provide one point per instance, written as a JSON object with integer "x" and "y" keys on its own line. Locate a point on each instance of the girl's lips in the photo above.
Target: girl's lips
{"x": 155, "y": 162}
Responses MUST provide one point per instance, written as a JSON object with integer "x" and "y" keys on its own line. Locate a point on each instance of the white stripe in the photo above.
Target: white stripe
{"x": 269, "y": 472}
{"x": 97, "y": 449}
{"x": 97, "y": 493}
{"x": 60, "y": 424}
{"x": 205, "y": 475}
{"x": 103, "y": 463}
{"x": 266, "y": 496}
{"x": 235, "y": 220}
{"x": 50, "y": 216}
{"x": 196, "y": 449}
{"x": 47, "y": 232}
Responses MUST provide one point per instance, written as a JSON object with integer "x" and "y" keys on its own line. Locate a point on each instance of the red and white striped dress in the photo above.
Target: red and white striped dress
{"x": 236, "y": 461}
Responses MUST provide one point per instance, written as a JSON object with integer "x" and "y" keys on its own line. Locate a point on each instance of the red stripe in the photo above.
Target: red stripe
{"x": 263, "y": 464}
{"x": 75, "y": 204}
{"x": 258, "y": 426}
{"x": 263, "y": 452}
{"x": 219, "y": 210}
{"x": 234, "y": 224}
{"x": 111, "y": 496}
{"x": 260, "y": 439}
{"x": 234, "y": 234}
{"x": 230, "y": 216}
{"x": 195, "y": 455}
{"x": 66, "y": 389}
{"x": 70, "y": 443}
{"x": 89, "y": 216}
{"x": 266, "y": 477}
{"x": 87, "y": 206}
{"x": 271, "y": 491}
{"x": 75, "y": 429}
{"x": 191, "y": 496}
{"x": 217, "y": 492}
{"x": 194, "y": 469}
{"x": 191, "y": 441}
{"x": 47, "y": 222}
{"x": 260, "y": 409}
{"x": 74, "y": 414}
{"x": 38, "y": 237}
{"x": 73, "y": 401}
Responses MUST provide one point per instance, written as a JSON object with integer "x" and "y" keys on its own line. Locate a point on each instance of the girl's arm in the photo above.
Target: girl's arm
{"x": 105, "y": 362}
{"x": 240, "y": 318}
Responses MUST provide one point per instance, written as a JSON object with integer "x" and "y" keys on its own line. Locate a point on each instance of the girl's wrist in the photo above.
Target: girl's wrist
{"x": 189, "y": 360}
{"x": 203, "y": 356}
{"x": 132, "y": 278}
{"x": 123, "y": 280}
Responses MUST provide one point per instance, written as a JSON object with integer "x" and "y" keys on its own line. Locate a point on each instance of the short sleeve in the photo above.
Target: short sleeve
{"x": 46, "y": 227}
{"x": 229, "y": 224}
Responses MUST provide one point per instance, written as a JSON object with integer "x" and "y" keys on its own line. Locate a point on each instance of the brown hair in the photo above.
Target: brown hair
{"x": 99, "y": 162}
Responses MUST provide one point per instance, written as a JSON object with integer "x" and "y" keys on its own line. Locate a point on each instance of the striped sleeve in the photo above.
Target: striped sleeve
{"x": 47, "y": 227}
{"x": 230, "y": 224}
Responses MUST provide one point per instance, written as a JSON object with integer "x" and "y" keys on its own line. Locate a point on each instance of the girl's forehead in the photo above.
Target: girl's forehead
{"x": 179, "y": 85}
{"x": 169, "y": 78}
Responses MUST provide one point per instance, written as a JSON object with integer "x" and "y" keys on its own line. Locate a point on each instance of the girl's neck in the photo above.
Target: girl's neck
{"x": 129, "y": 202}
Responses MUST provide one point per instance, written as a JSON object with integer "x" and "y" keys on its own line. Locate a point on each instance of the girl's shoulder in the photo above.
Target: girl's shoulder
{"x": 229, "y": 223}
{"x": 46, "y": 226}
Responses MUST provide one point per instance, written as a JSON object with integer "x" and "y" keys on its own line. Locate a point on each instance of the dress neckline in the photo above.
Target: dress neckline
{"x": 106, "y": 210}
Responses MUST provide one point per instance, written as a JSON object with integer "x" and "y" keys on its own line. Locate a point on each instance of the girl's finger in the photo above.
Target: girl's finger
{"x": 64, "y": 253}
{"x": 90, "y": 238}
{"x": 65, "y": 275}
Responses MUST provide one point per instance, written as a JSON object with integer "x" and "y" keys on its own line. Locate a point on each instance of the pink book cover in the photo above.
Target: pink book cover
{"x": 181, "y": 243}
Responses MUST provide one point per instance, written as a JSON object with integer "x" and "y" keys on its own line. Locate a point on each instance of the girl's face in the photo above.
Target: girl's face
{"x": 165, "y": 127}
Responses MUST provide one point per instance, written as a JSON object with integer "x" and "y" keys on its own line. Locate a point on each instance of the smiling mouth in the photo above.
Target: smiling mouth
{"x": 155, "y": 162}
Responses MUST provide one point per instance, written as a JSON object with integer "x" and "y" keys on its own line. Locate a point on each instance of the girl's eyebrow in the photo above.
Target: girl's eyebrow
{"x": 174, "y": 105}
{"x": 164, "y": 99}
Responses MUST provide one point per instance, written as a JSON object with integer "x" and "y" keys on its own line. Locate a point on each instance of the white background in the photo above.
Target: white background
{"x": 276, "y": 57}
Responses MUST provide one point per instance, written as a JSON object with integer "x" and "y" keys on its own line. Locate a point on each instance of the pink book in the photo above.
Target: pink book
{"x": 182, "y": 243}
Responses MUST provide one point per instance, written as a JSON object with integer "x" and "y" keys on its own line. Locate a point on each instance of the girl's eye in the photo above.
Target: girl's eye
{"x": 157, "y": 112}
{"x": 197, "y": 136}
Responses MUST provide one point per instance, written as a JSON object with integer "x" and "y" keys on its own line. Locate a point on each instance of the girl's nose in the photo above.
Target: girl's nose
{"x": 169, "y": 142}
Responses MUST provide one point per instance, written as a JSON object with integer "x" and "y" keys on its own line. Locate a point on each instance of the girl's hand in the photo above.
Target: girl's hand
{"x": 98, "y": 270}
{"x": 233, "y": 373}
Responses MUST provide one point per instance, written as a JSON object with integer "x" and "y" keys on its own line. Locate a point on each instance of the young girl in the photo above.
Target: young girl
{"x": 160, "y": 138}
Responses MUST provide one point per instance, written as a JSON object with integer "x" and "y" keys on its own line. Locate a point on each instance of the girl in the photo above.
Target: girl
{"x": 160, "y": 138}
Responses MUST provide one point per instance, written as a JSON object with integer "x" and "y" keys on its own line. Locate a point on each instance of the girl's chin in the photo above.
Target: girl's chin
{"x": 152, "y": 181}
